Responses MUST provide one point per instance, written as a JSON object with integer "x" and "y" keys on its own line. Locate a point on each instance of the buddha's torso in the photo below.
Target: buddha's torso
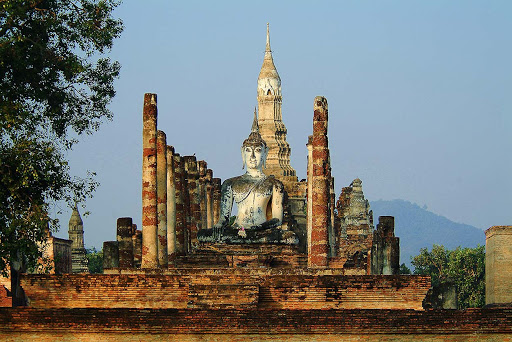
{"x": 252, "y": 195}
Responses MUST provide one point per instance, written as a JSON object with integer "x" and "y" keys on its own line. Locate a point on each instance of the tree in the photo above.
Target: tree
{"x": 404, "y": 269}
{"x": 54, "y": 86}
{"x": 95, "y": 260}
{"x": 465, "y": 267}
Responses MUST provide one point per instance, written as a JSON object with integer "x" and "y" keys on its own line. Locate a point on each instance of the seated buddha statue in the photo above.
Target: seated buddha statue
{"x": 259, "y": 199}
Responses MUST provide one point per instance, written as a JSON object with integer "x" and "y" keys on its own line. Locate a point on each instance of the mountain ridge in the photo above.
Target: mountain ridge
{"x": 418, "y": 228}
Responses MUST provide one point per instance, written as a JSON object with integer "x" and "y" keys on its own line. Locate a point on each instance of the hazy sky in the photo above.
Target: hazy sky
{"x": 419, "y": 93}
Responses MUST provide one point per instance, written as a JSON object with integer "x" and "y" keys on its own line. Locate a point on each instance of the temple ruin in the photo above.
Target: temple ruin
{"x": 295, "y": 262}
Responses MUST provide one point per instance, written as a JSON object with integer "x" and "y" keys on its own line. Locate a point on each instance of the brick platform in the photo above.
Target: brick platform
{"x": 24, "y": 324}
{"x": 226, "y": 288}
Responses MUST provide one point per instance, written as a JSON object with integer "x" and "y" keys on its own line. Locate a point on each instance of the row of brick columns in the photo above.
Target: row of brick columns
{"x": 179, "y": 197}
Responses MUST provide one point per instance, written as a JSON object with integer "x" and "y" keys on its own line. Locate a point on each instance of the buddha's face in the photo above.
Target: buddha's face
{"x": 254, "y": 156}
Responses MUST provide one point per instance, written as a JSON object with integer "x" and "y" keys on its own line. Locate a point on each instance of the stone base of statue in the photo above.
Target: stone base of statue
{"x": 269, "y": 232}
{"x": 260, "y": 256}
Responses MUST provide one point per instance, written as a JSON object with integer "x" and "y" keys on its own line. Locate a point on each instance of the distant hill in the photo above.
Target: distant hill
{"x": 417, "y": 228}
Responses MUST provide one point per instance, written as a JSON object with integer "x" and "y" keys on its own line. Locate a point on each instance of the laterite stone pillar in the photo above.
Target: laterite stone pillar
{"x": 202, "y": 167}
{"x": 309, "y": 194}
{"x": 209, "y": 199}
{"x": 332, "y": 206}
{"x": 125, "y": 241}
{"x": 149, "y": 183}
{"x": 216, "y": 182}
{"x": 193, "y": 199}
{"x": 110, "y": 255}
{"x": 320, "y": 187}
{"x": 181, "y": 220}
{"x": 137, "y": 247}
{"x": 171, "y": 206}
{"x": 161, "y": 191}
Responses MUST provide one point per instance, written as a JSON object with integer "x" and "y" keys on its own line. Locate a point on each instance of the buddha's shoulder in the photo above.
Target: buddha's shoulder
{"x": 232, "y": 180}
{"x": 271, "y": 179}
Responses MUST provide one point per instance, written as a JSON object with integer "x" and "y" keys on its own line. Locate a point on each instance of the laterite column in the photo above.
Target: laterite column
{"x": 193, "y": 199}
{"x": 125, "y": 241}
{"x": 332, "y": 206}
{"x": 209, "y": 199}
{"x": 216, "y": 182}
{"x": 181, "y": 221}
{"x": 110, "y": 254}
{"x": 171, "y": 206}
{"x": 149, "y": 200}
{"x": 202, "y": 166}
{"x": 161, "y": 193}
{"x": 309, "y": 196}
{"x": 320, "y": 187}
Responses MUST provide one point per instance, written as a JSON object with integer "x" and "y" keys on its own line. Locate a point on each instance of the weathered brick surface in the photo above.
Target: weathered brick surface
{"x": 5, "y": 298}
{"x": 255, "y": 324}
{"x": 225, "y": 288}
{"x": 322, "y": 337}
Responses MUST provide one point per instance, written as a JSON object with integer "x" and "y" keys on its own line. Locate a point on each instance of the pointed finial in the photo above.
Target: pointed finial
{"x": 267, "y": 48}
{"x": 255, "y": 127}
{"x": 254, "y": 137}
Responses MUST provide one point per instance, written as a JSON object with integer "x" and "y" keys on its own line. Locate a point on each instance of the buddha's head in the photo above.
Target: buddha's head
{"x": 254, "y": 148}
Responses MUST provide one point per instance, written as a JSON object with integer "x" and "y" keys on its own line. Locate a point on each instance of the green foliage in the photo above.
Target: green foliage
{"x": 463, "y": 266}
{"x": 53, "y": 87}
{"x": 95, "y": 259}
{"x": 404, "y": 269}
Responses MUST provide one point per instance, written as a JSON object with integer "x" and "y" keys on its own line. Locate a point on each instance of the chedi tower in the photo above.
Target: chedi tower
{"x": 270, "y": 121}
{"x": 79, "y": 263}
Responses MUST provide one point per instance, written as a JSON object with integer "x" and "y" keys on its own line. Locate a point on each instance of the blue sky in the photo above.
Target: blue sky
{"x": 419, "y": 93}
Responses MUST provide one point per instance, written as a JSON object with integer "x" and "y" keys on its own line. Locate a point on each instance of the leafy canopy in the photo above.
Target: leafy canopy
{"x": 465, "y": 267}
{"x": 55, "y": 84}
{"x": 95, "y": 260}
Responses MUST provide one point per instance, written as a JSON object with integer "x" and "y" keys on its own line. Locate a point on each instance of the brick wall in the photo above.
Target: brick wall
{"x": 22, "y": 324}
{"x": 5, "y": 298}
{"x": 225, "y": 289}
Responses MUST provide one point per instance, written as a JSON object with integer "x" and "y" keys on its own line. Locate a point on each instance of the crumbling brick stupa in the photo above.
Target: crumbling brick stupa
{"x": 293, "y": 265}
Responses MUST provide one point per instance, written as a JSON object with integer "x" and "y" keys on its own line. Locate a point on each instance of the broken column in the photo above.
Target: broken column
{"x": 181, "y": 220}
{"x": 161, "y": 189}
{"x": 216, "y": 182}
{"x": 498, "y": 266}
{"x": 385, "y": 252}
{"x": 137, "y": 246}
{"x": 320, "y": 192}
{"x": 110, "y": 255}
{"x": 171, "y": 206}
{"x": 149, "y": 183}
{"x": 125, "y": 241}
{"x": 209, "y": 199}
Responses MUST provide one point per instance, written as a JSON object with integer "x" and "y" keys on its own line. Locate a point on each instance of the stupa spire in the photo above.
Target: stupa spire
{"x": 268, "y": 74}
{"x": 267, "y": 48}
{"x": 255, "y": 127}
